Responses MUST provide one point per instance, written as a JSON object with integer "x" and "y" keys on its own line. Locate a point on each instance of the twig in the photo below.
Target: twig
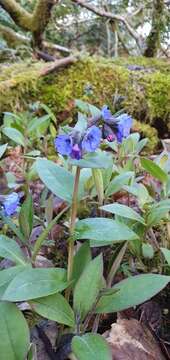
{"x": 57, "y": 64}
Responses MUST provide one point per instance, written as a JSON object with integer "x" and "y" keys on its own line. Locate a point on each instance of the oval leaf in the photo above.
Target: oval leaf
{"x": 98, "y": 159}
{"x": 132, "y": 291}
{"x": 124, "y": 211}
{"x": 10, "y": 249}
{"x": 56, "y": 178}
{"x": 154, "y": 169}
{"x": 14, "y": 333}
{"x": 36, "y": 283}
{"x": 118, "y": 182}
{"x": 26, "y": 217}
{"x": 14, "y": 135}
{"x": 102, "y": 231}
{"x": 81, "y": 259}
{"x": 91, "y": 346}
{"x": 55, "y": 307}
{"x": 88, "y": 286}
{"x": 8, "y": 275}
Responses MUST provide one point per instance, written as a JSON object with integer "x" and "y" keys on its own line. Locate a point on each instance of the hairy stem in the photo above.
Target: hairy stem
{"x": 72, "y": 224}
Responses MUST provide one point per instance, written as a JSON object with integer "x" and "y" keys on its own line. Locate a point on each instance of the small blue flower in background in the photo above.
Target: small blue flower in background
{"x": 91, "y": 139}
{"x": 11, "y": 203}
{"x": 76, "y": 143}
{"x": 124, "y": 126}
{"x": 119, "y": 126}
{"x": 63, "y": 144}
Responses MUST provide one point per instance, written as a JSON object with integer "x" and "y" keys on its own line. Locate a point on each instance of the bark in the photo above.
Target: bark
{"x": 12, "y": 38}
{"x": 20, "y": 16}
{"x": 35, "y": 22}
{"x": 58, "y": 64}
{"x": 153, "y": 39}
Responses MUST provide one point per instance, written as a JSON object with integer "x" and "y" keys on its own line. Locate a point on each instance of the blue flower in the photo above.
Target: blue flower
{"x": 10, "y": 203}
{"x": 63, "y": 144}
{"x": 77, "y": 143}
{"x": 125, "y": 122}
{"x": 91, "y": 139}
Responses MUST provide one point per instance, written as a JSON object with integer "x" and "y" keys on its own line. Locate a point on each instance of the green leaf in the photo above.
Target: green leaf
{"x": 154, "y": 169}
{"x": 88, "y": 108}
{"x": 10, "y": 249}
{"x": 124, "y": 211}
{"x": 14, "y": 135}
{"x": 81, "y": 259}
{"x": 3, "y": 149}
{"x": 158, "y": 212}
{"x": 98, "y": 159}
{"x": 36, "y": 123}
{"x": 102, "y": 231}
{"x": 81, "y": 124}
{"x": 7, "y": 220}
{"x": 166, "y": 253}
{"x": 7, "y": 275}
{"x": 88, "y": 286}
{"x": 141, "y": 144}
{"x": 14, "y": 333}
{"x": 36, "y": 283}
{"x": 132, "y": 291}
{"x": 54, "y": 307}
{"x": 26, "y": 217}
{"x": 141, "y": 192}
{"x": 91, "y": 346}
{"x": 56, "y": 178}
{"x": 148, "y": 251}
{"x": 117, "y": 183}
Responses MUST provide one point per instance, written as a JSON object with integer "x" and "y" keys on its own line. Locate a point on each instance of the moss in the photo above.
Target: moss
{"x": 149, "y": 132}
{"x": 146, "y": 91}
{"x": 18, "y": 86}
{"x": 158, "y": 96}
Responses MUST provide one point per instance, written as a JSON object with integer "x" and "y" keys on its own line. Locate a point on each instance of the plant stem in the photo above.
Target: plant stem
{"x": 72, "y": 225}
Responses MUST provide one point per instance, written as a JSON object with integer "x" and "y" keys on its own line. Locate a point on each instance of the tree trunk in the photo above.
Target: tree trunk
{"x": 153, "y": 39}
{"x": 35, "y": 22}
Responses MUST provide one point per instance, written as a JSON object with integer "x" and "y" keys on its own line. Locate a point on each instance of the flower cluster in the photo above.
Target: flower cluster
{"x": 11, "y": 203}
{"x": 116, "y": 127}
{"x": 76, "y": 144}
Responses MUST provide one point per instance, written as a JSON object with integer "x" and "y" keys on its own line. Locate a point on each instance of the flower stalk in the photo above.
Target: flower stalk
{"x": 72, "y": 224}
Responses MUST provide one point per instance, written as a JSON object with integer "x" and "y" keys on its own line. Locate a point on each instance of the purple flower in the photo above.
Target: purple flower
{"x": 91, "y": 139}
{"x": 63, "y": 144}
{"x": 10, "y": 203}
{"x": 124, "y": 125}
{"x": 76, "y": 152}
{"x": 76, "y": 143}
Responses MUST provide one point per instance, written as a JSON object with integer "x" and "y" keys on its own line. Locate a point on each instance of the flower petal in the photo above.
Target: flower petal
{"x": 63, "y": 144}
{"x": 10, "y": 204}
{"x": 91, "y": 139}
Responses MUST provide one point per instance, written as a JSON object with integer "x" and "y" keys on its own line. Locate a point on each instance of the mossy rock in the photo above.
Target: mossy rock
{"x": 144, "y": 83}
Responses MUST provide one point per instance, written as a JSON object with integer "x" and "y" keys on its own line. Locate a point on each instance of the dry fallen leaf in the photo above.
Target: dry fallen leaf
{"x": 129, "y": 339}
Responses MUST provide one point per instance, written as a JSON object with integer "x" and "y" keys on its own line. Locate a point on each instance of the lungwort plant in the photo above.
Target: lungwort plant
{"x": 99, "y": 159}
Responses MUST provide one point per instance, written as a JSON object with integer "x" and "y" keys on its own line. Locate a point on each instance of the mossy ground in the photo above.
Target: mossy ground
{"x": 146, "y": 91}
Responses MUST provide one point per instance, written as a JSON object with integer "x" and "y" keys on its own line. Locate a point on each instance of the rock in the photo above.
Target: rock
{"x": 129, "y": 339}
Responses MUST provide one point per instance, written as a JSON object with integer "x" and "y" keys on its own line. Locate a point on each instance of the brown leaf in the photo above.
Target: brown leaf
{"x": 129, "y": 339}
